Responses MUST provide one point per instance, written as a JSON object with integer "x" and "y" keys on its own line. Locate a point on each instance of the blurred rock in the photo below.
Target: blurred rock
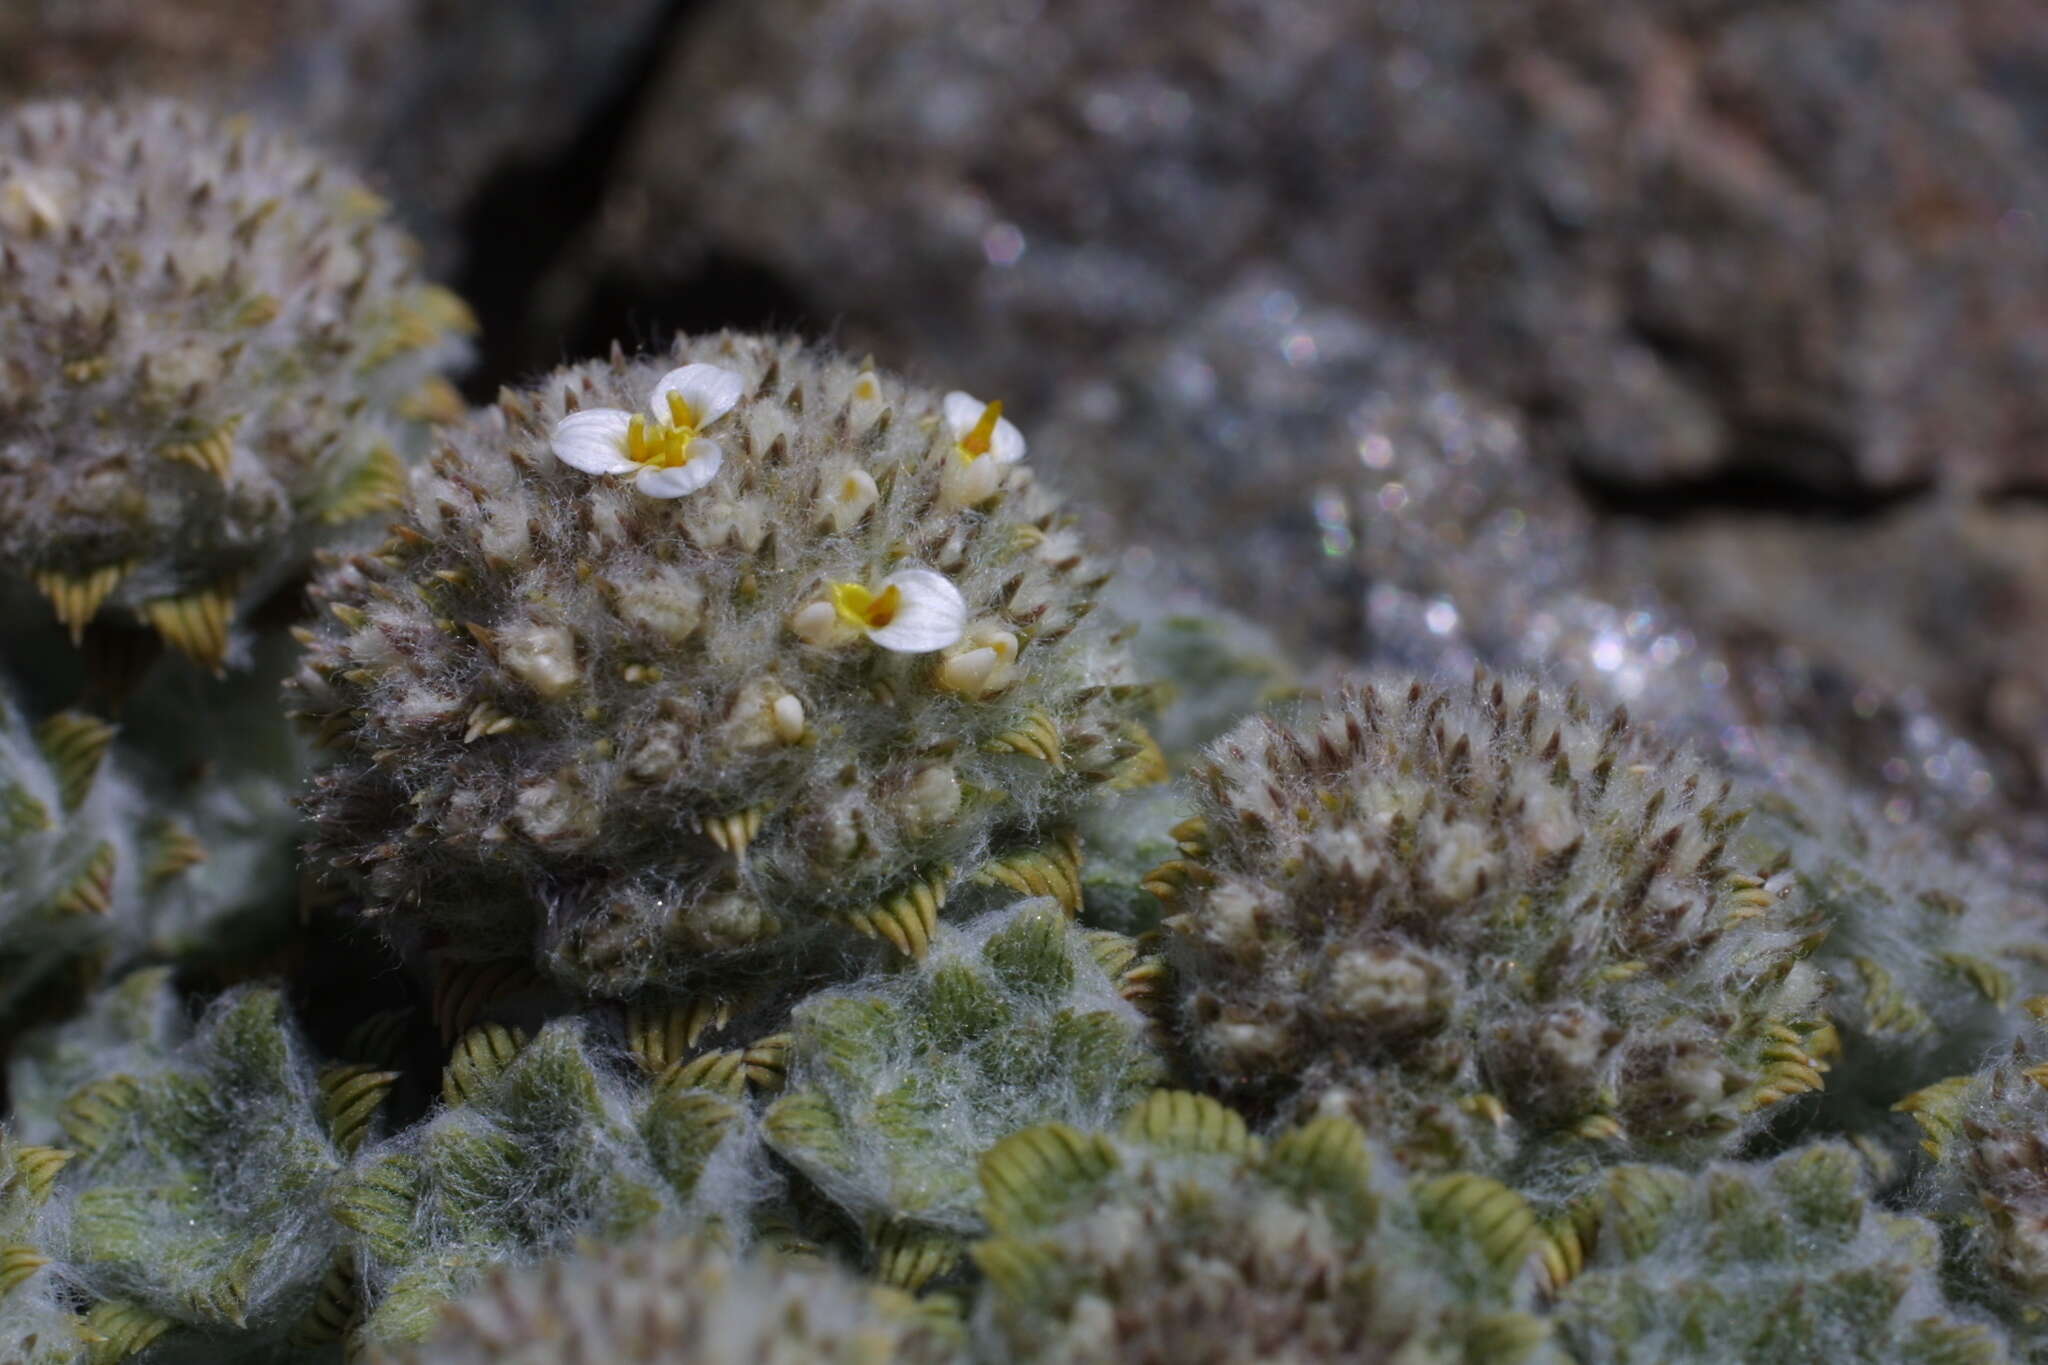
{"x": 1938, "y": 611}
{"x": 1805, "y": 244}
{"x": 433, "y": 98}
{"x": 1290, "y": 463}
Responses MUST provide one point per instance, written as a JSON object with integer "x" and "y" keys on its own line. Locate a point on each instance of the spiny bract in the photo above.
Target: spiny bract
{"x": 214, "y": 346}
{"x": 654, "y": 1302}
{"x": 1185, "y": 1240}
{"x": 642, "y": 732}
{"x": 1487, "y": 922}
{"x": 900, "y": 1081}
{"x": 1784, "y": 1262}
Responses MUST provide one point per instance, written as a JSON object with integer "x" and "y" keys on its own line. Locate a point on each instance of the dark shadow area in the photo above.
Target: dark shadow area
{"x": 724, "y": 291}
{"x": 1750, "y": 489}
{"x": 524, "y": 216}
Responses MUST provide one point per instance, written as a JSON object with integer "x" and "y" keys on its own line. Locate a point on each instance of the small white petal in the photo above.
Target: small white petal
{"x": 593, "y": 441}
{"x": 962, "y": 410}
{"x": 969, "y": 483}
{"x": 705, "y": 459}
{"x": 848, "y": 496}
{"x": 711, "y": 391}
{"x": 932, "y": 614}
{"x": 788, "y": 717}
{"x": 1008, "y": 445}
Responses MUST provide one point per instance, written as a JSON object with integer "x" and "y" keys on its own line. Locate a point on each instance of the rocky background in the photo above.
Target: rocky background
{"x": 1695, "y": 351}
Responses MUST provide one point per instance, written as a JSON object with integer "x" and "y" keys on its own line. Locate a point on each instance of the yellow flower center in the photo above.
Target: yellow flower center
{"x": 864, "y": 610}
{"x": 666, "y": 446}
{"x": 976, "y": 443}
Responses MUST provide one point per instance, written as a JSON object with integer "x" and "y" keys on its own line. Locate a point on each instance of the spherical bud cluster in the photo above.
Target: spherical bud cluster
{"x": 1789, "y": 1260}
{"x": 672, "y": 659}
{"x": 653, "y": 1302}
{"x": 214, "y": 348}
{"x": 1491, "y": 924}
{"x": 899, "y": 1082}
{"x": 1184, "y": 1238}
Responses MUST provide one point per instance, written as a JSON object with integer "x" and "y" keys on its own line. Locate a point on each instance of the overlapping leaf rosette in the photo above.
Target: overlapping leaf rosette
{"x": 1787, "y": 1260}
{"x": 1181, "y": 1236}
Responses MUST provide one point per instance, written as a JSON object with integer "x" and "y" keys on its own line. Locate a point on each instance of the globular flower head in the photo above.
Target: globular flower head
{"x": 1179, "y": 1236}
{"x": 1493, "y": 925}
{"x": 216, "y": 349}
{"x": 648, "y": 732}
{"x": 1787, "y": 1260}
{"x": 658, "y": 1300}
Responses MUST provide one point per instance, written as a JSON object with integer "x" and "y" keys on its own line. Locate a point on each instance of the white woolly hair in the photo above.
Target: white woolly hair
{"x": 1988, "y": 1184}
{"x": 899, "y": 1081}
{"x": 127, "y": 1028}
{"x": 1789, "y": 1258}
{"x": 62, "y": 855}
{"x": 194, "y": 1191}
{"x": 553, "y": 1147}
{"x": 165, "y": 837}
{"x": 1212, "y": 1255}
{"x": 1928, "y": 957}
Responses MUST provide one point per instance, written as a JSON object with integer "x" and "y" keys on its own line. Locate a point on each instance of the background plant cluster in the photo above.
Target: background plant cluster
{"x": 1341, "y": 889}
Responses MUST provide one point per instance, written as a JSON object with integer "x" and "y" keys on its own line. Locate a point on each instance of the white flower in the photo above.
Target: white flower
{"x": 981, "y": 429}
{"x": 983, "y": 442}
{"x": 667, "y": 457}
{"x": 917, "y": 611}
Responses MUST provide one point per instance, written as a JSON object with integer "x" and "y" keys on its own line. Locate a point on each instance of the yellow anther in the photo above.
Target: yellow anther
{"x": 976, "y": 443}
{"x": 864, "y": 610}
{"x": 681, "y": 415}
{"x": 666, "y": 447}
